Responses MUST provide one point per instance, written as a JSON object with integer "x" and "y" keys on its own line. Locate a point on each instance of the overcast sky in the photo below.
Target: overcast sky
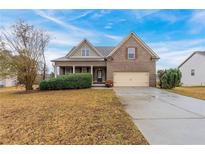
{"x": 172, "y": 34}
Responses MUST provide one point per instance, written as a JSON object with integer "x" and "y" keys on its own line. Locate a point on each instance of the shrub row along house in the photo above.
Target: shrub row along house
{"x": 130, "y": 63}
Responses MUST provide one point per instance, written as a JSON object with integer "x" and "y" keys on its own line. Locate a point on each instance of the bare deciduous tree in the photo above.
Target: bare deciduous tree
{"x": 26, "y": 45}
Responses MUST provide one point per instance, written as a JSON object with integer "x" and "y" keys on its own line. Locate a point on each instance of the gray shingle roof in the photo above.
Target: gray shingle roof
{"x": 201, "y": 52}
{"x": 104, "y": 50}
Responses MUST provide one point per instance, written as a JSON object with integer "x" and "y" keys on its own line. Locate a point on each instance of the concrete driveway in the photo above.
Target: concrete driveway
{"x": 164, "y": 117}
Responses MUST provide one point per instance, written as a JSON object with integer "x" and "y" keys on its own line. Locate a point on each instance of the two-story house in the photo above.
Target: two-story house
{"x": 130, "y": 63}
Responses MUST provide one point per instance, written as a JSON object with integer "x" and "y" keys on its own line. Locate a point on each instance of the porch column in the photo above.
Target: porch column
{"x": 91, "y": 71}
{"x": 55, "y": 71}
{"x": 73, "y": 69}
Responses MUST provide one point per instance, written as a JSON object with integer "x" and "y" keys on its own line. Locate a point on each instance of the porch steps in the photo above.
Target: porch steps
{"x": 98, "y": 85}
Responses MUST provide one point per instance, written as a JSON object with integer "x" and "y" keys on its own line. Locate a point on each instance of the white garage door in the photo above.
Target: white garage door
{"x": 131, "y": 79}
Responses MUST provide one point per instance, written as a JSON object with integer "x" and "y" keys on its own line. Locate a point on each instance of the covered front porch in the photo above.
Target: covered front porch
{"x": 98, "y": 72}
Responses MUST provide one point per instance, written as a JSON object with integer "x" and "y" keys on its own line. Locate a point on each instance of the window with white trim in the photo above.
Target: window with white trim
{"x": 131, "y": 53}
{"x": 85, "y": 51}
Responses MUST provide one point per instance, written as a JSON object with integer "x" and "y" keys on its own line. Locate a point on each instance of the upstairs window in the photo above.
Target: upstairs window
{"x": 192, "y": 72}
{"x": 85, "y": 52}
{"x": 131, "y": 53}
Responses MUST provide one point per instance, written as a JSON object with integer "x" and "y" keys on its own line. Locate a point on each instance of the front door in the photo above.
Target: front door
{"x": 99, "y": 76}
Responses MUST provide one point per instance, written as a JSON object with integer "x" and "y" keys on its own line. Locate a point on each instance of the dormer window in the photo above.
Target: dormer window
{"x": 85, "y": 52}
{"x": 131, "y": 53}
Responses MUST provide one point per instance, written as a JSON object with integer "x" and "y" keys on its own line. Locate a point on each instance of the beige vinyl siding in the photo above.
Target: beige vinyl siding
{"x": 91, "y": 52}
{"x": 131, "y": 79}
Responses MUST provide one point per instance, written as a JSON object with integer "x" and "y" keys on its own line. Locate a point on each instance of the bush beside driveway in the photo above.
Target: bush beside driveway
{"x": 87, "y": 116}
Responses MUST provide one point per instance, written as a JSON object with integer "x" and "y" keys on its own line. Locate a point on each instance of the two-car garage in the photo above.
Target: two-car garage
{"x": 131, "y": 79}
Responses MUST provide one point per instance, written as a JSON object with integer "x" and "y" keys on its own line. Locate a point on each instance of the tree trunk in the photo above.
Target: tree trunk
{"x": 44, "y": 71}
{"x": 30, "y": 79}
{"x": 29, "y": 86}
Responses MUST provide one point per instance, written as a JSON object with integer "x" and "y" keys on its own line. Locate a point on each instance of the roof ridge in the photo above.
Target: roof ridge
{"x": 200, "y": 51}
{"x": 104, "y": 46}
{"x": 98, "y": 46}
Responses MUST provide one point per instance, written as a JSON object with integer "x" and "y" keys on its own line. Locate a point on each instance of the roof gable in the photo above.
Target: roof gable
{"x": 196, "y": 52}
{"x": 84, "y": 43}
{"x": 153, "y": 54}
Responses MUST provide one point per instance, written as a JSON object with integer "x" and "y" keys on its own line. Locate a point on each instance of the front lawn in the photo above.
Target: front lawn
{"x": 196, "y": 92}
{"x": 87, "y": 116}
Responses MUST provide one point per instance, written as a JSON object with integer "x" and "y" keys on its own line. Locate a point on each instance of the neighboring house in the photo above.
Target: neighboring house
{"x": 130, "y": 63}
{"x": 8, "y": 81}
{"x": 193, "y": 69}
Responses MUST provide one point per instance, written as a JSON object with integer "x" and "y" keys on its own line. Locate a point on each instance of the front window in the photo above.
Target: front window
{"x": 84, "y": 70}
{"x": 192, "y": 72}
{"x": 68, "y": 70}
{"x": 85, "y": 52}
{"x": 131, "y": 53}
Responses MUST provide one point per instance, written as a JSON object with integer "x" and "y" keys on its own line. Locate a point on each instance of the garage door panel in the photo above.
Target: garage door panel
{"x": 131, "y": 79}
{"x": 133, "y": 84}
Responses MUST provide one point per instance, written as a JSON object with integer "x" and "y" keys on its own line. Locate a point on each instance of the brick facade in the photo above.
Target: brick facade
{"x": 142, "y": 63}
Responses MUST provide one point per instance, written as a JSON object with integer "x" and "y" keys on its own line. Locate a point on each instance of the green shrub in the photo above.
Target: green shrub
{"x": 169, "y": 79}
{"x": 71, "y": 81}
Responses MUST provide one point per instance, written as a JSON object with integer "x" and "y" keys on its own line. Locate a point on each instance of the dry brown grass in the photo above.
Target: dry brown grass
{"x": 87, "y": 116}
{"x": 196, "y": 92}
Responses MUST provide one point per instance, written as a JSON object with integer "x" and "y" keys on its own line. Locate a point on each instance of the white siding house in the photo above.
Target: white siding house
{"x": 193, "y": 70}
{"x": 8, "y": 82}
